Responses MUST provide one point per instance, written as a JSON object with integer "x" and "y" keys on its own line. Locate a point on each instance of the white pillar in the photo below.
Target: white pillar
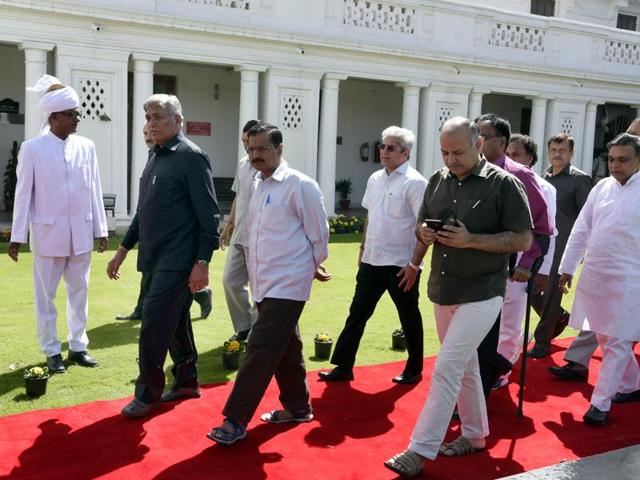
{"x": 586, "y": 163}
{"x": 327, "y": 141}
{"x": 538, "y": 129}
{"x": 411, "y": 112}
{"x": 142, "y": 89}
{"x": 475, "y": 103}
{"x": 249, "y": 79}
{"x": 35, "y": 64}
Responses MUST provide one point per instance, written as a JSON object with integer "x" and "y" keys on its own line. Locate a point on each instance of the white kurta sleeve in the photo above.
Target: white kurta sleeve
{"x": 23, "y": 196}
{"x": 579, "y": 237}
{"x": 314, "y": 220}
{"x": 97, "y": 206}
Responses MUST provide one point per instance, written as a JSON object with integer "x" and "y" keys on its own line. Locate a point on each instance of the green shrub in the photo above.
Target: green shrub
{"x": 342, "y": 224}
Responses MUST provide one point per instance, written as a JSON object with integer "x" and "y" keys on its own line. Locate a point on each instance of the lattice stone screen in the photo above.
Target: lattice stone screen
{"x": 379, "y": 16}
{"x": 292, "y": 111}
{"x": 92, "y": 98}
{"x": 622, "y": 52}
{"x": 568, "y": 123}
{"x": 445, "y": 112}
{"x": 517, "y": 36}
{"x": 242, "y": 5}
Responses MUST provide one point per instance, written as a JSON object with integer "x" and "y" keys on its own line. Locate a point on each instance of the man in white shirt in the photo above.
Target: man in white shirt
{"x": 59, "y": 200}
{"x": 524, "y": 150}
{"x": 235, "y": 279}
{"x": 288, "y": 236}
{"x": 392, "y": 198}
{"x": 607, "y": 299}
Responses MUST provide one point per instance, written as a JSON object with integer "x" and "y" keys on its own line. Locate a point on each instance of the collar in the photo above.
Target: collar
{"x": 632, "y": 179}
{"x": 57, "y": 139}
{"x": 171, "y": 145}
{"x": 565, "y": 171}
{"x": 279, "y": 173}
{"x": 480, "y": 170}
{"x": 402, "y": 169}
{"x": 500, "y": 161}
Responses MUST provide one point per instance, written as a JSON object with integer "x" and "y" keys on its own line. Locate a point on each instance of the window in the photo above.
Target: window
{"x": 627, "y": 22}
{"x": 543, "y": 7}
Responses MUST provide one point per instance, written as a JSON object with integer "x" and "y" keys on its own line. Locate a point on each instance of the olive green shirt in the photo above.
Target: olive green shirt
{"x": 488, "y": 201}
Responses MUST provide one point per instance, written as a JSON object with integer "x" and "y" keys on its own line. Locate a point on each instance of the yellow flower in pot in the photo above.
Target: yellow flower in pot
{"x": 323, "y": 343}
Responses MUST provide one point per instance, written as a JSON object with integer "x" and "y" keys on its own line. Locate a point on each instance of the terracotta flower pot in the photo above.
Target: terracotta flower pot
{"x": 323, "y": 350}
{"x": 36, "y": 387}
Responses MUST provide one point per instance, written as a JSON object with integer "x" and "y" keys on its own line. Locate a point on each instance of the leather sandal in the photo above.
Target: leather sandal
{"x": 407, "y": 464}
{"x": 222, "y": 436}
{"x": 459, "y": 447}
{"x": 284, "y": 416}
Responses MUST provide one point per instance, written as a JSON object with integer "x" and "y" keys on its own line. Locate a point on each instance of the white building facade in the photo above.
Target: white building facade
{"x": 331, "y": 73}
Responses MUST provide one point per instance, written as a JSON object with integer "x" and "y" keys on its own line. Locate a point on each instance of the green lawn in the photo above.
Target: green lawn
{"x": 114, "y": 343}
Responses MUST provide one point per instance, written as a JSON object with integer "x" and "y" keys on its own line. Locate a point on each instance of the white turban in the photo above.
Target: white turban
{"x": 55, "y": 101}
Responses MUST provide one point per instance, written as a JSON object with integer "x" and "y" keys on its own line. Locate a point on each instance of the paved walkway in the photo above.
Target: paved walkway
{"x": 623, "y": 464}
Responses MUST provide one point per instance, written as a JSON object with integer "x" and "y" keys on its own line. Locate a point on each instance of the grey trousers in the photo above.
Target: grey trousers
{"x": 235, "y": 281}
{"x": 275, "y": 348}
{"x": 582, "y": 348}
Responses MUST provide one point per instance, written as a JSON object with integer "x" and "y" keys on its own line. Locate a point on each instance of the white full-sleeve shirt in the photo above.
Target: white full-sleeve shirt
{"x": 58, "y": 195}
{"x": 549, "y": 193}
{"x": 243, "y": 187}
{"x": 288, "y": 235}
{"x": 607, "y": 235}
{"x": 393, "y": 202}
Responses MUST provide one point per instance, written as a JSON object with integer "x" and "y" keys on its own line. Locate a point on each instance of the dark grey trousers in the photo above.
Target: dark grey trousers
{"x": 275, "y": 348}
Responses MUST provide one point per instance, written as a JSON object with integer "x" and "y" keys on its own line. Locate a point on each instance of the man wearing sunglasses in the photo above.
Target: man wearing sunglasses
{"x": 387, "y": 261}
{"x": 59, "y": 200}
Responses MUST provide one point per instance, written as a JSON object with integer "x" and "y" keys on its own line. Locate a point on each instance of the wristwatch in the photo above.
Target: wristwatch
{"x": 414, "y": 267}
{"x": 202, "y": 263}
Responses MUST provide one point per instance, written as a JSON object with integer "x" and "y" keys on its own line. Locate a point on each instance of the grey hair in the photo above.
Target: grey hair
{"x": 405, "y": 136}
{"x": 457, "y": 123}
{"x": 169, "y": 102}
{"x": 625, "y": 139}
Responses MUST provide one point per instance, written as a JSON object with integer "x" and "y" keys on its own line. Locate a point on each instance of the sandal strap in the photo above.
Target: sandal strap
{"x": 408, "y": 463}
{"x": 459, "y": 447}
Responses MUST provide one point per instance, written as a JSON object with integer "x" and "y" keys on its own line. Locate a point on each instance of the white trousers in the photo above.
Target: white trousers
{"x": 235, "y": 281}
{"x": 514, "y": 309}
{"x": 456, "y": 376}
{"x": 619, "y": 371}
{"x": 47, "y": 272}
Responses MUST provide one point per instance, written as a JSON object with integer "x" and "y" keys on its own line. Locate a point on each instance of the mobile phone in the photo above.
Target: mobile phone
{"x": 434, "y": 224}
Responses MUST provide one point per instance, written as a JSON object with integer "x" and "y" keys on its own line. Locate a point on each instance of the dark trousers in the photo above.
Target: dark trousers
{"x": 274, "y": 348}
{"x": 371, "y": 283}
{"x": 145, "y": 283}
{"x": 553, "y": 318}
{"x": 166, "y": 327}
{"x": 491, "y": 363}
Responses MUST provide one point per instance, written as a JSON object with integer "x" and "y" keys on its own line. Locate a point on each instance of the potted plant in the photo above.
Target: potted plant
{"x": 344, "y": 187}
{"x": 231, "y": 352}
{"x": 323, "y": 344}
{"x": 398, "y": 341}
{"x": 35, "y": 380}
{"x": 10, "y": 178}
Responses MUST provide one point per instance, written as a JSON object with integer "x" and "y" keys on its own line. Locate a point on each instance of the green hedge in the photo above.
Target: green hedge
{"x": 342, "y": 224}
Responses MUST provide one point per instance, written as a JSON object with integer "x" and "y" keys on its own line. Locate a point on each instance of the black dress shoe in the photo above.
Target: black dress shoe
{"x": 626, "y": 397}
{"x": 571, "y": 371}
{"x": 55, "y": 365}
{"x": 242, "y": 336}
{"x": 132, "y": 316}
{"x": 407, "y": 378}
{"x": 180, "y": 393}
{"x": 204, "y": 298}
{"x": 336, "y": 375}
{"x": 137, "y": 409}
{"x": 539, "y": 351}
{"x": 595, "y": 416}
{"x": 83, "y": 359}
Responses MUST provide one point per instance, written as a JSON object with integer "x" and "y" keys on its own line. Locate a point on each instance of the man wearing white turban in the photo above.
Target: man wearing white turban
{"x": 58, "y": 201}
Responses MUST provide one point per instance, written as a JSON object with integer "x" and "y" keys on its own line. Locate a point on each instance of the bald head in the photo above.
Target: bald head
{"x": 634, "y": 128}
{"x": 461, "y": 126}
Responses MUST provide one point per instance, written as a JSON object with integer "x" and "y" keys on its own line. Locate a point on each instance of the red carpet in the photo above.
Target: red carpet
{"x": 357, "y": 427}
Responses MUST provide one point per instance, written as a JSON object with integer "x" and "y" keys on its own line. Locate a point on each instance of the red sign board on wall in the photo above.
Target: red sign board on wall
{"x": 199, "y": 128}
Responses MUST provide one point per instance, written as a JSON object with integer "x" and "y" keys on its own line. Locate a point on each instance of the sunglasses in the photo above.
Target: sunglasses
{"x": 72, "y": 114}
{"x": 390, "y": 148}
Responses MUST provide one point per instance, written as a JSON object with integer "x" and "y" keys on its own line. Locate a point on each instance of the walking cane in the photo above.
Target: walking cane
{"x": 525, "y": 344}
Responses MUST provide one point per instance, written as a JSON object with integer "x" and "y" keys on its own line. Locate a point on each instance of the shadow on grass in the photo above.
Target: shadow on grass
{"x": 117, "y": 333}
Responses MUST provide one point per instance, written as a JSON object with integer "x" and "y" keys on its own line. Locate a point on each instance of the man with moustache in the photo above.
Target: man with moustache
{"x": 176, "y": 229}
{"x": 58, "y": 200}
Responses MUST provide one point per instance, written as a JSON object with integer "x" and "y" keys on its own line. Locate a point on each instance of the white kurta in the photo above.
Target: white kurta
{"x": 607, "y": 299}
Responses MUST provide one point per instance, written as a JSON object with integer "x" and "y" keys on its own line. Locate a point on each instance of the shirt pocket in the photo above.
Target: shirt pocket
{"x": 43, "y": 219}
{"x": 395, "y": 205}
{"x": 164, "y": 191}
{"x": 275, "y": 218}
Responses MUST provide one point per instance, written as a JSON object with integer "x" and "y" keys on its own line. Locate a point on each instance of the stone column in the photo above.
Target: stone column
{"x": 586, "y": 163}
{"x": 249, "y": 79}
{"x": 142, "y": 89}
{"x": 538, "y": 129}
{"x": 410, "y": 112}
{"x": 327, "y": 141}
{"x": 35, "y": 63}
{"x": 475, "y": 103}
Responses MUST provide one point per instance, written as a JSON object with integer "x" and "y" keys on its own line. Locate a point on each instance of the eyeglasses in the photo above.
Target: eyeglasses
{"x": 488, "y": 137}
{"x": 390, "y": 148}
{"x": 72, "y": 114}
{"x": 259, "y": 150}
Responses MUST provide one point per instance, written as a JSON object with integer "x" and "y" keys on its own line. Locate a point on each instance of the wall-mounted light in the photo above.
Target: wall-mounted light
{"x": 364, "y": 152}
{"x": 216, "y": 91}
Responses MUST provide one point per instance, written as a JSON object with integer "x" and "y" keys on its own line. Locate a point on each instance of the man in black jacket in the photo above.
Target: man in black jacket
{"x": 176, "y": 229}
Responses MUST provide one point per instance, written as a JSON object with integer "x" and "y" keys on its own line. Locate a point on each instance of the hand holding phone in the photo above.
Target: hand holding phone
{"x": 434, "y": 224}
